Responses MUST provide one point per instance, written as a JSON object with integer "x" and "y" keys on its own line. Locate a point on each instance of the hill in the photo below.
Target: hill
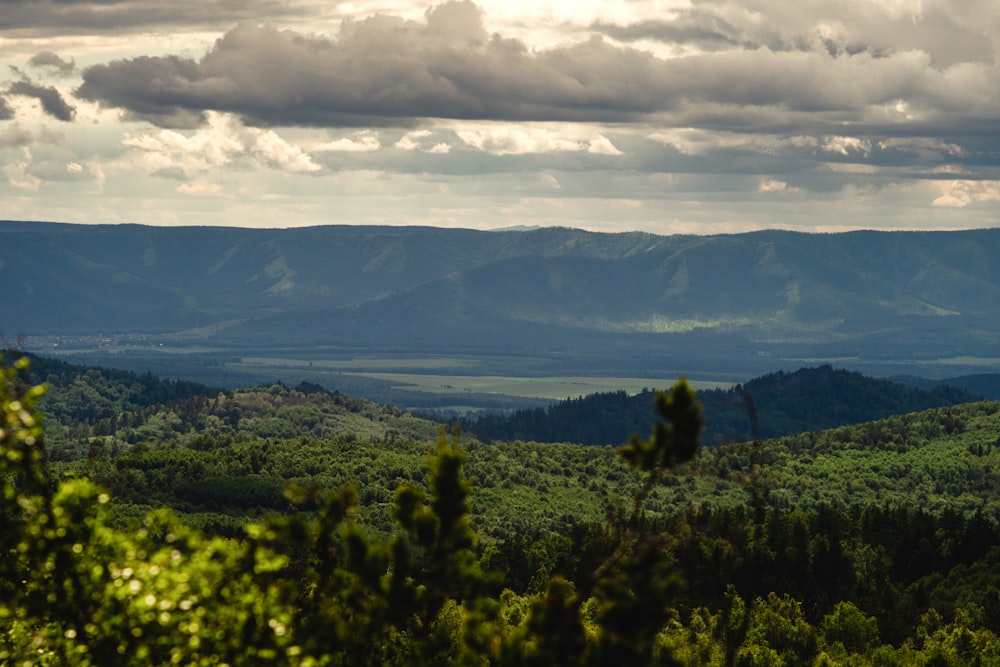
{"x": 593, "y": 303}
{"x": 88, "y": 393}
{"x": 784, "y": 403}
{"x": 99, "y": 412}
{"x": 191, "y": 452}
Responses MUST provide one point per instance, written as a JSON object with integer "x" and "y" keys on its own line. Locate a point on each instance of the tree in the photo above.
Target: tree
{"x": 848, "y": 629}
{"x": 312, "y": 587}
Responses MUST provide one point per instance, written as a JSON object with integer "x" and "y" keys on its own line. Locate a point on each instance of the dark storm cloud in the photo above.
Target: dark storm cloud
{"x": 167, "y": 91}
{"x": 382, "y": 71}
{"x": 52, "y": 61}
{"x": 388, "y": 71}
{"x": 51, "y": 99}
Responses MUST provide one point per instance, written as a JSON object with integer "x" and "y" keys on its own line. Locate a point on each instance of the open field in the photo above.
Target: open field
{"x": 555, "y": 388}
{"x": 357, "y": 363}
{"x": 460, "y": 383}
{"x": 422, "y": 374}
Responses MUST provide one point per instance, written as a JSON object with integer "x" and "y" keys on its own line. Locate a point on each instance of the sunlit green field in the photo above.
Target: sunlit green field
{"x": 424, "y": 374}
{"x": 531, "y": 387}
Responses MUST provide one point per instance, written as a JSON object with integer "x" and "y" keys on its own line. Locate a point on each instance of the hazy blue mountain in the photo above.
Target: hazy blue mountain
{"x": 680, "y": 300}
{"x": 881, "y": 296}
{"x": 80, "y": 279}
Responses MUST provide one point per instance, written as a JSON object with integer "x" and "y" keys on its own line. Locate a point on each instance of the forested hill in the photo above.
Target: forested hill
{"x": 93, "y": 411}
{"x": 80, "y": 393}
{"x": 805, "y": 400}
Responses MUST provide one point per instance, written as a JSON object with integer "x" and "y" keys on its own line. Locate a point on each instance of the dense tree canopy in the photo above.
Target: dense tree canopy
{"x": 316, "y": 568}
{"x": 783, "y": 403}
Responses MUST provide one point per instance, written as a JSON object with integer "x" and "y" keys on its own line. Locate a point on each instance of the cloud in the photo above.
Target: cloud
{"x": 381, "y": 71}
{"x": 49, "y": 170}
{"x": 273, "y": 150}
{"x": 50, "y": 60}
{"x": 861, "y": 111}
{"x": 695, "y": 27}
{"x": 171, "y": 173}
{"x": 39, "y": 18}
{"x": 949, "y": 32}
{"x": 209, "y": 148}
{"x": 362, "y": 142}
{"x": 221, "y": 143}
{"x": 414, "y": 141}
{"x": 772, "y": 185}
{"x": 15, "y": 136}
{"x": 962, "y": 193}
{"x": 51, "y": 99}
{"x": 500, "y": 139}
{"x": 200, "y": 189}
{"x": 387, "y": 71}
{"x": 846, "y": 145}
{"x": 6, "y": 110}
{"x": 601, "y": 145}
{"x": 18, "y": 173}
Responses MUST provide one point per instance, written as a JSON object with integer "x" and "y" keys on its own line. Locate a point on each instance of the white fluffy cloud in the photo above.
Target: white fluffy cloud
{"x": 361, "y": 142}
{"x": 961, "y": 193}
{"x": 503, "y": 139}
{"x": 220, "y": 143}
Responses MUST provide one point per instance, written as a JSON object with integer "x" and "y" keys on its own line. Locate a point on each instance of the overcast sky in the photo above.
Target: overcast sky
{"x": 669, "y": 116}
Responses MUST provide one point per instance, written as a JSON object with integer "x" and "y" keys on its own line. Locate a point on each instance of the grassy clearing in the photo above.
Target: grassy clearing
{"x": 555, "y": 388}
{"x": 364, "y": 363}
{"x": 423, "y": 374}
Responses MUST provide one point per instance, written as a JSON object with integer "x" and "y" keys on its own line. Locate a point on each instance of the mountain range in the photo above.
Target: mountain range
{"x": 910, "y": 302}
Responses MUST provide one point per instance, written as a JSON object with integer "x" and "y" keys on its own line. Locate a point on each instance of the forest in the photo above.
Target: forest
{"x": 155, "y": 522}
{"x": 784, "y": 403}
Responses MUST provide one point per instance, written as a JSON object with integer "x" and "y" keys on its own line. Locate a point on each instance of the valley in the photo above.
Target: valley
{"x": 545, "y": 302}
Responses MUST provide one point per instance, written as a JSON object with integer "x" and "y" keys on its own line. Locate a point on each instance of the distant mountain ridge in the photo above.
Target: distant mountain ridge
{"x": 641, "y": 299}
{"x": 109, "y": 275}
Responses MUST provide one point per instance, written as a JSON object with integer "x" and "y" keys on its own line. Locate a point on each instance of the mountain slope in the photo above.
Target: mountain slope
{"x": 108, "y": 276}
{"x": 686, "y": 301}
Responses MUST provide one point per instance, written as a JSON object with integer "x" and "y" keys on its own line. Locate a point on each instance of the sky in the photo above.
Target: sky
{"x": 666, "y": 116}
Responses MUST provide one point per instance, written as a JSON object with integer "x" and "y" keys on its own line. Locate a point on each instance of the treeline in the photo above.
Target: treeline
{"x": 263, "y": 412}
{"x": 782, "y": 403}
{"x": 86, "y": 394}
